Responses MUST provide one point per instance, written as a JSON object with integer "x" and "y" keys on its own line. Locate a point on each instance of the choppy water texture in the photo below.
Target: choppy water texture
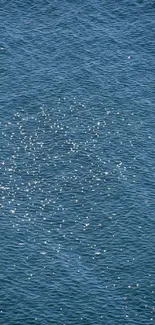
{"x": 77, "y": 162}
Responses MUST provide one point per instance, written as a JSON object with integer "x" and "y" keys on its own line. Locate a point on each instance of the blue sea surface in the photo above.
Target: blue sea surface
{"x": 77, "y": 162}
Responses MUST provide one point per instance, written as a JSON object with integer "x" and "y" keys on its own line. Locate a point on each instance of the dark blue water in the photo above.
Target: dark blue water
{"x": 77, "y": 162}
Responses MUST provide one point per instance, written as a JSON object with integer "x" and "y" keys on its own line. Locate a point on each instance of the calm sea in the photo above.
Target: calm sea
{"x": 77, "y": 162}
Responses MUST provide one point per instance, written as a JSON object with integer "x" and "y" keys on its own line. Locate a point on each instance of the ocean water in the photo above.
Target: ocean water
{"x": 77, "y": 162}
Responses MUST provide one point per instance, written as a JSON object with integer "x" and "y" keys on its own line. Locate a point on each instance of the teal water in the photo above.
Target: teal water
{"x": 77, "y": 162}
